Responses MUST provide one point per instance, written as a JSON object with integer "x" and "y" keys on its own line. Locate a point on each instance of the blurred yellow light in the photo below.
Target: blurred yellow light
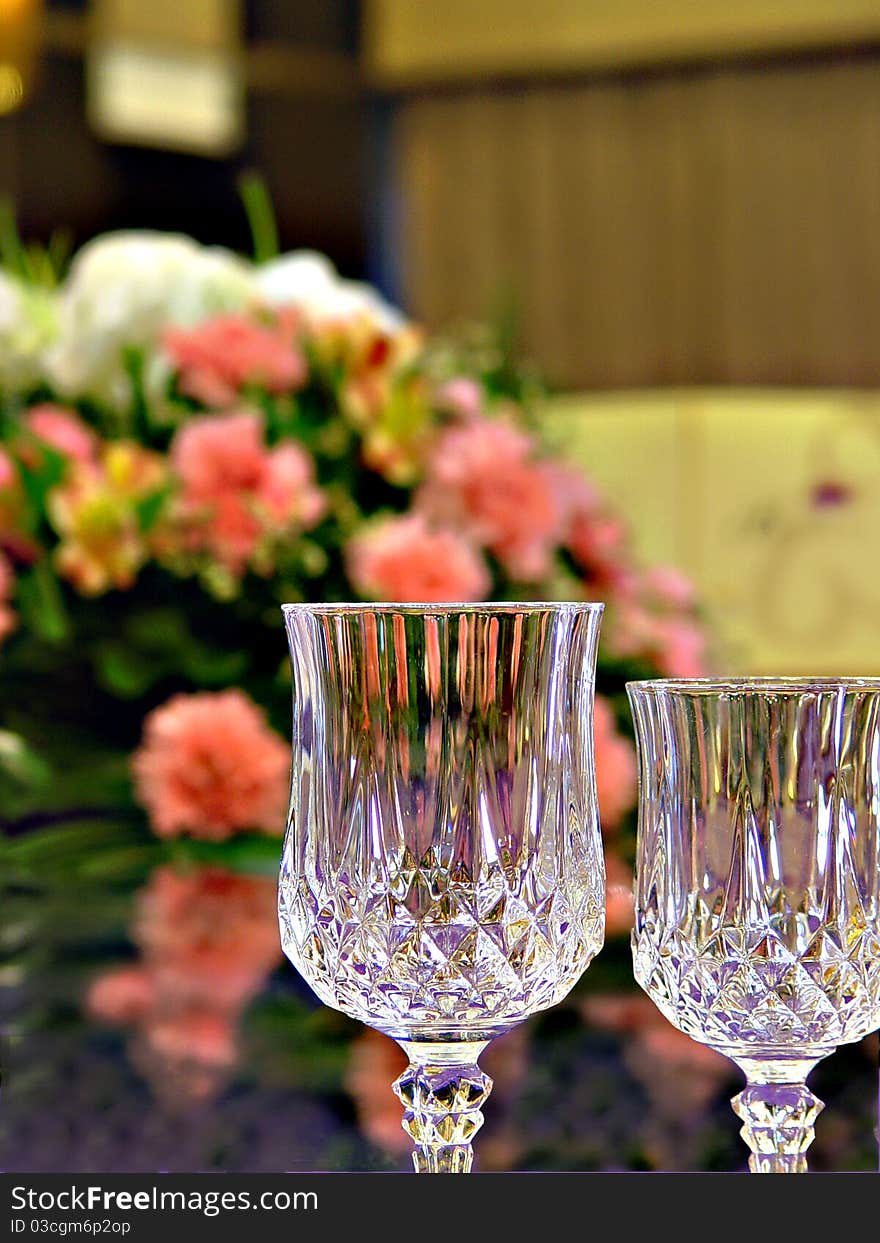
{"x": 11, "y": 86}
{"x": 20, "y": 22}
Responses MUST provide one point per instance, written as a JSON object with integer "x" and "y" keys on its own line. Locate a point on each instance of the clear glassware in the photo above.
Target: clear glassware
{"x": 442, "y": 876}
{"x": 757, "y": 929}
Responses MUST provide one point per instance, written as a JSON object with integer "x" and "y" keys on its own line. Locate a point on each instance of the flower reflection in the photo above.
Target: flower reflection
{"x": 376, "y": 1060}
{"x": 680, "y": 1076}
{"x": 207, "y": 941}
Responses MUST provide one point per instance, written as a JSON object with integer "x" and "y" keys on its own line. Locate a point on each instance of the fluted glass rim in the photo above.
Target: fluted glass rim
{"x": 761, "y": 685}
{"x": 322, "y": 609}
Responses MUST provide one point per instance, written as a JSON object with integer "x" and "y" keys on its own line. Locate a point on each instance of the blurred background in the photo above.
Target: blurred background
{"x": 669, "y": 215}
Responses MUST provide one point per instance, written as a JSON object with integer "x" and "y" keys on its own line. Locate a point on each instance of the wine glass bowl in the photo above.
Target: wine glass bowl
{"x": 442, "y": 874}
{"x": 757, "y": 926}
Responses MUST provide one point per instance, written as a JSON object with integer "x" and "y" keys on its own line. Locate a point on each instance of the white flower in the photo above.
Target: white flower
{"x": 123, "y": 290}
{"x": 27, "y": 327}
{"x": 308, "y": 280}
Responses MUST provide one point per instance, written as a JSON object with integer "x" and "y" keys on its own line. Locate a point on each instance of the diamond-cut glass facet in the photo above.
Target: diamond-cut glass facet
{"x": 757, "y": 926}
{"x": 442, "y": 870}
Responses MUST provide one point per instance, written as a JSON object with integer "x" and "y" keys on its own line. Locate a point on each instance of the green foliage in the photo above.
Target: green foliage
{"x": 37, "y": 265}
{"x": 21, "y": 764}
{"x": 261, "y": 216}
{"x": 41, "y": 603}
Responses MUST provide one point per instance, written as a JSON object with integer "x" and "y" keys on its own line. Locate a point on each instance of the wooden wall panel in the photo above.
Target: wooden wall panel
{"x": 711, "y": 225}
{"x": 411, "y": 42}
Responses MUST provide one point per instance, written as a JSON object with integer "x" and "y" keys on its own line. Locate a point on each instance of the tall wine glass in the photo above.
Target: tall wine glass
{"x": 442, "y": 876}
{"x": 757, "y": 927}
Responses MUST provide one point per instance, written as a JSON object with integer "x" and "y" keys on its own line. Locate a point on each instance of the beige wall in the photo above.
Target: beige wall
{"x": 722, "y": 484}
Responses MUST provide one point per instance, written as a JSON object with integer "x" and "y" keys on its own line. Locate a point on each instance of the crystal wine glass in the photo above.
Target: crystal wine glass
{"x": 757, "y": 927}
{"x": 442, "y": 876}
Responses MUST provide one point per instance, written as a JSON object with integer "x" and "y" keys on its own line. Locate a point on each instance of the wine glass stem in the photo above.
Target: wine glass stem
{"x": 442, "y": 1091}
{"x": 777, "y": 1125}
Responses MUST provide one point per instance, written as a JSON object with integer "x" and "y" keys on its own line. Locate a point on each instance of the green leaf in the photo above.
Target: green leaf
{"x": 148, "y": 508}
{"x": 157, "y": 630}
{"x": 124, "y": 671}
{"x": 249, "y": 852}
{"x": 20, "y": 762}
{"x": 39, "y": 598}
{"x": 261, "y": 217}
{"x": 39, "y": 480}
{"x": 210, "y": 667}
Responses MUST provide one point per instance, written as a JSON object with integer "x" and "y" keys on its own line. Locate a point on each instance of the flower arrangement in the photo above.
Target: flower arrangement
{"x": 187, "y": 439}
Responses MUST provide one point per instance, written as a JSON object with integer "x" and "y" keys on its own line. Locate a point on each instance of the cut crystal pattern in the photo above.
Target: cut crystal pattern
{"x": 442, "y": 1113}
{"x": 757, "y": 927}
{"x": 442, "y": 874}
{"x": 757, "y": 923}
{"x": 777, "y": 1126}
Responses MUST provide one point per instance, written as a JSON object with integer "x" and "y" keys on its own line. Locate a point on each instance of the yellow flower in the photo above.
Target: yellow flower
{"x": 96, "y": 514}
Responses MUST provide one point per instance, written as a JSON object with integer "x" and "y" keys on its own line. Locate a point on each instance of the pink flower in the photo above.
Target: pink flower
{"x": 219, "y": 358}
{"x": 287, "y": 491}
{"x": 596, "y": 539}
{"x": 209, "y": 765}
{"x": 11, "y": 499}
{"x": 8, "y": 618}
{"x": 8, "y": 471}
{"x": 666, "y": 586}
{"x": 484, "y": 481}
{"x": 236, "y": 493}
{"x": 681, "y": 648}
{"x": 461, "y": 396}
{"x": 216, "y": 454}
{"x": 659, "y": 1043}
{"x": 621, "y": 1012}
{"x": 615, "y": 766}
{"x": 8, "y": 621}
{"x": 122, "y": 996}
{"x": 204, "y": 1037}
{"x": 63, "y": 430}
{"x": 619, "y": 901}
{"x": 675, "y": 643}
{"x": 403, "y": 559}
{"x": 598, "y": 544}
{"x": 655, "y": 619}
{"x": 209, "y": 935}
{"x": 208, "y": 939}
{"x": 374, "y": 1061}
